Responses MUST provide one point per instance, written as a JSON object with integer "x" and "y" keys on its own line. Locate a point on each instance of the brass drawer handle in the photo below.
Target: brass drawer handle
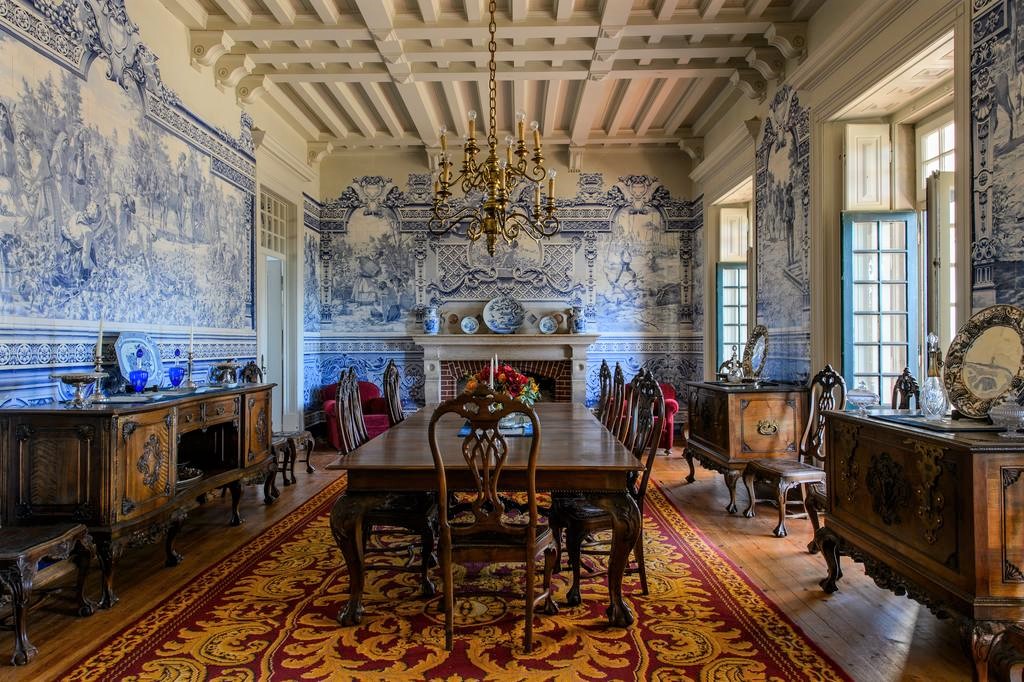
{"x": 767, "y": 427}
{"x": 188, "y": 417}
{"x": 220, "y": 410}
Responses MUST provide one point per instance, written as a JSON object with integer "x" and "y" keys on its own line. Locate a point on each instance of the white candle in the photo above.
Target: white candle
{"x": 99, "y": 339}
{"x": 494, "y": 367}
{"x": 191, "y": 336}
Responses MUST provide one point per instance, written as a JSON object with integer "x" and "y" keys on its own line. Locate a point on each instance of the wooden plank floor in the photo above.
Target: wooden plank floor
{"x": 873, "y": 634}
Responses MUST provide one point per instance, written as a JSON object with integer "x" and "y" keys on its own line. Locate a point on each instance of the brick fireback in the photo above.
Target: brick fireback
{"x": 559, "y": 371}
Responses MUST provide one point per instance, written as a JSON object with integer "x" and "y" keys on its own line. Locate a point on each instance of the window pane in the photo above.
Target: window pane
{"x": 885, "y": 397}
{"x": 865, "y": 328}
{"x": 894, "y": 235}
{"x": 864, "y": 236}
{"x": 871, "y": 382}
{"x": 743, "y": 276}
{"x": 729, "y": 277}
{"x": 894, "y": 328}
{"x": 894, "y": 358}
{"x": 865, "y": 297}
{"x": 931, "y": 167}
{"x": 730, "y": 316}
{"x": 729, "y": 335}
{"x": 730, "y": 297}
{"x": 947, "y": 162}
{"x": 865, "y": 359}
{"x": 931, "y": 145}
{"x": 947, "y": 138}
{"x": 865, "y": 266}
{"x": 894, "y": 297}
{"x": 894, "y": 266}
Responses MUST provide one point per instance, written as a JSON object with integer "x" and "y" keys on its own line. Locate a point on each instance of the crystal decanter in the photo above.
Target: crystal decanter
{"x": 934, "y": 402}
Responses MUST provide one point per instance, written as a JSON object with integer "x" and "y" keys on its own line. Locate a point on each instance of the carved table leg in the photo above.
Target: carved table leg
{"x": 293, "y": 450}
{"x": 17, "y": 577}
{"x": 270, "y": 491}
{"x": 782, "y": 492}
{"x": 978, "y": 638}
{"x": 347, "y": 527}
{"x": 692, "y": 476}
{"x": 574, "y": 542}
{"x": 173, "y": 558}
{"x": 828, "y": 541}
{"x": 236, "y": 496}
{"x": 107, "y": 552}
{"x": 427, "y": 535}
{"x": 82, "y": 555}
{"x": 731, "y": 477}
{"x": 310, "y": 443}
{"x": 625, "y": 530}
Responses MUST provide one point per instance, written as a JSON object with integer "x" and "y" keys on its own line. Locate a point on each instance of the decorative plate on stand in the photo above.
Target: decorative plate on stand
{"x": 469, "y": 324}
{"x": 547, "y": 325}
{"x": 503, "y": 315}
{"x": 126, "y": 347}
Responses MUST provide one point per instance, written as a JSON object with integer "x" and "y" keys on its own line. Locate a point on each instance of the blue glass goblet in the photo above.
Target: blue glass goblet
{"x": 138, "y": 377}
{"x": 176, "y": 374}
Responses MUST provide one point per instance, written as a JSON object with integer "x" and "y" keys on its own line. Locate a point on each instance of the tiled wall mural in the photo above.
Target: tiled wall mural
{"x": 997, "y": 130}
{"x": 116, "y": 203}
{"x": 628, "y": 252}
{"x": 782, "y": 202}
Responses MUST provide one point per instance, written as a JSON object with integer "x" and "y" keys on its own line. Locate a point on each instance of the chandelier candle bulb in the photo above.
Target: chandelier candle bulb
{"x": 472, "y": 123}
{"x": 521, "y": 125}
{"x": 535, "y": 127}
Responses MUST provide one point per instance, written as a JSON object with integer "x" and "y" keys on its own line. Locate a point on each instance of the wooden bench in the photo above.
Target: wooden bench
{"x": 21, "y": 550}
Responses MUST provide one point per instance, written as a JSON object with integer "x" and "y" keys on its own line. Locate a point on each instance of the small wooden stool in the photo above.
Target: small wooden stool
{"x": 300, "y": 440}
{"x": 280, "y": 452}
{"x": 21, "y": 550}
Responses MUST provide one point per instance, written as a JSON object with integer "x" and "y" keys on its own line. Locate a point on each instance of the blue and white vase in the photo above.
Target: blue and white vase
{"x": 431, "y": 320}
{"x": 577, "y": 322}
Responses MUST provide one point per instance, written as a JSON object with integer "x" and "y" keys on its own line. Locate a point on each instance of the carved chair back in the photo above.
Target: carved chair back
{"x": 827, "y": 392}
{"x": 348, "y": 409}
{"x": 392, "y": 394}
{"x": 355, "y": 401}
{"x": 615, "y": 400}
{"x": 648, "y": 418}
{"x": 484, "y": 451}
{"x": 904, "y": 389}
{"x": 605, "y": 380}
{"x": 627, "y": 425}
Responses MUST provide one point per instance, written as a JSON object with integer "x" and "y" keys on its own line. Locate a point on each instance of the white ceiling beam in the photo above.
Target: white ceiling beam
{"x": 801, "y": 10}
{"x": 624, "y": 113}
{"x": 726, "y": 98}
{"x": 474, "y": 10}
{"x": 592, "y": 97}
{"x": 282, "y": 11}
{"x": 430, "y": 10}
{"x": 377, "y": 14}
{"x": 665, "y": 9}
{"x": 687, "y": 104}
{"x": 655, "y": 101}
{"x": 563, "y": 10}
{"x": 237, "y": 10}
{"x": 456, "y": 106}
{"x": 280, "y": 100}
{"x": 709, "y": 9}
{"x": 375, "y": 94}
{"x": 412, "y": 96}
{"x": 188, "y": 12}
{"x": 354, "y": 108}
{"x": 327, "y": 10}
{"x": 755, "y": 8}
{"x": 552, "y": 96}
{"x": 519, "y": 10}
{"x": 323, "y": 108}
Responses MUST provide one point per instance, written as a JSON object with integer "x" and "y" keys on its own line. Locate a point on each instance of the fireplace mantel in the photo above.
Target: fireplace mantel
{"x": 510, "y": 347}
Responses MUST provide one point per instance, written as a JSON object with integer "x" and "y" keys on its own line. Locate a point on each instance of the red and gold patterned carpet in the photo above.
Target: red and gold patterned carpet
{"x": 268, "y": 613}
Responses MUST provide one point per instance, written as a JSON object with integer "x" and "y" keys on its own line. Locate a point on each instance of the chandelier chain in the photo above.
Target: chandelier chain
{"x": 492, "y": 67}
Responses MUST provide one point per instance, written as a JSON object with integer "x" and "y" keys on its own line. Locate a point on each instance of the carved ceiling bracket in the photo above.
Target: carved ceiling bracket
{"x": 232, "y": 68}
{"x": 694, "y": 148}
{"x": 789, "y": 39}
{"x": 316, "y": 151}
{"x": 575, "y": 158}
{"x": 750, "y": 83}
{"x": 250, "y": 88}
{"x": 767, "y": 61}
{"x": 206, "y": 47}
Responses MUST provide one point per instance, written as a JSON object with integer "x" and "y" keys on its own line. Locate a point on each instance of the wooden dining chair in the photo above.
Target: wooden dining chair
{"x": 580, "y": 519}
{"x": 628, "y": 424}
{"x": 343, "y": 412}
{"x": 616, "y": 399}
{"x": 827, "y": 392}
{"x": 355, "y": 407}
{"x": 392, "y": 393}
{"x": 905, "y": 388}
{"x": 486, "y": 533}
{"x": 604, "y": 378}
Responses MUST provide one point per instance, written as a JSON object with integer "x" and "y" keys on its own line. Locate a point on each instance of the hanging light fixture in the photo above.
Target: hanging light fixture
{"x": 495, "y": 179}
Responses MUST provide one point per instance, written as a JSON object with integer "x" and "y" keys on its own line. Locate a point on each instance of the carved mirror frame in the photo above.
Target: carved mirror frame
{"x": 967, "y": 402}
{"x": 758, "y": 332}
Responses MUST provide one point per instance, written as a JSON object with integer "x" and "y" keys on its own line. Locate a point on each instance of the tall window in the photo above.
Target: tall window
{"x": 935, "y": 165}
{"x": 732, "y": 281}
{"x": 275, "y": 216}
{"x": 935, "y": 149}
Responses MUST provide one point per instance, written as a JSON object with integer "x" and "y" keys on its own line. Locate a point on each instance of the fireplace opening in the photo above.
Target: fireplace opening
{"x": 553, "y": 377}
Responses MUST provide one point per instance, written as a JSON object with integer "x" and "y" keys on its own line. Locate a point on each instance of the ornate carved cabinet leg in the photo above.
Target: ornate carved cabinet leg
{"x": 172, "y": 557}
{"x": 782, "y": 492}
{"x": 17, "y": 578}
{"x": 347, "y": 527}
{"x": 748, "y": 483}
{"x": 829, "y": 544}
{"x": 979, "y": 637}
{"x": 730, "y": 482}
{"x": 82, "y": 555}
{"x": 107, "y": 553}
{"x": 625, "y": 530}
{"x": 692, "y": 476}
{"x": 236, "y": 496}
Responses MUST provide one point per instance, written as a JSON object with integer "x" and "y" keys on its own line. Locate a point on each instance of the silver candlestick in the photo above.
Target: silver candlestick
{"x": 98, "y": 395}
{"x": 189, "y": 384}
{"x": 79, "y": 380}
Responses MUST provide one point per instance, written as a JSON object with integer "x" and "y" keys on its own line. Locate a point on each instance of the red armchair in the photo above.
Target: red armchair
{"x": 375, "y": 411}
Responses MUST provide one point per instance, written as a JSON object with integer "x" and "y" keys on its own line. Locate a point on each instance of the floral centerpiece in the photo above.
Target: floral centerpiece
{"x": 507, "y": 380}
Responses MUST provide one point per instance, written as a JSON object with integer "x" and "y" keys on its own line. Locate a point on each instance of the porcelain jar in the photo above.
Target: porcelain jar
{"x": 577, "y": 322}
{"x": 431, "y": 320}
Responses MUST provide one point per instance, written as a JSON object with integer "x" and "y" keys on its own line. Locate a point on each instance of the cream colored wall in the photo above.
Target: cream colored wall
{"x": 851, "y": 46}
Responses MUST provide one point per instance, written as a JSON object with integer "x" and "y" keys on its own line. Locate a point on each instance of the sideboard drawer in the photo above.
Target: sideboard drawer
{"x": 190, "y": 418}
{"x": 220, "y": 410}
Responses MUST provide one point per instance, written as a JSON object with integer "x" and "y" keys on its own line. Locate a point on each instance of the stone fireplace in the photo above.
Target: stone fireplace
{"x": 559, "y": 359}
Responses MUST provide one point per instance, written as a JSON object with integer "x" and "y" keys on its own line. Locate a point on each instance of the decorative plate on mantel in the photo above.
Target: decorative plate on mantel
{"x": 503, "y": 315}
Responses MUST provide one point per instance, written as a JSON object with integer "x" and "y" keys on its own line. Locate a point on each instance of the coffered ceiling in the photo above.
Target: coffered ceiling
{"x": 388, "y": 73}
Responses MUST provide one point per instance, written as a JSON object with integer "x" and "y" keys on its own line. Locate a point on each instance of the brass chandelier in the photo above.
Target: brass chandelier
{"x": 496, "y": 179}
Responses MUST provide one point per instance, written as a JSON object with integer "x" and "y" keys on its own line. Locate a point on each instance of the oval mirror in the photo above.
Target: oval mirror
{"x": 755, "y": 353}
{"x": 985, "y": 360}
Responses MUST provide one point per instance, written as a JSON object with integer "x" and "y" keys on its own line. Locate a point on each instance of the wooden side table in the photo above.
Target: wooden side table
{"x": 21, "y": 550}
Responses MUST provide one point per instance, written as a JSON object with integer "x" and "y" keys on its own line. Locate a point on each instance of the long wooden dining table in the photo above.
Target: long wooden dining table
{"x": 578, "y": 456}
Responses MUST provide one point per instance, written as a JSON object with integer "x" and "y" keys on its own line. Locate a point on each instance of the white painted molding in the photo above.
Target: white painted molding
{"x": 739, "y": 142}
{"x": 265, "y": 142}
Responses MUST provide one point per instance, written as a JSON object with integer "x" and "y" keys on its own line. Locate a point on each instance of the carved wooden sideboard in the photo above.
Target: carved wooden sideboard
{"x": 936, "y": 516}
{"x": 731, "y": 424}
{"x": 114, "y": 467}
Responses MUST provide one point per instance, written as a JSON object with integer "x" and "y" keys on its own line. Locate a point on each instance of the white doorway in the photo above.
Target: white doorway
{"x": 274, "y": 359}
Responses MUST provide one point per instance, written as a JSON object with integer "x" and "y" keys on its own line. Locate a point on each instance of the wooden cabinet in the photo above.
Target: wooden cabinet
{"x": 936, "y": 516}
{"x": 114, "y": 467}
{"x": 731, "y": 424}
